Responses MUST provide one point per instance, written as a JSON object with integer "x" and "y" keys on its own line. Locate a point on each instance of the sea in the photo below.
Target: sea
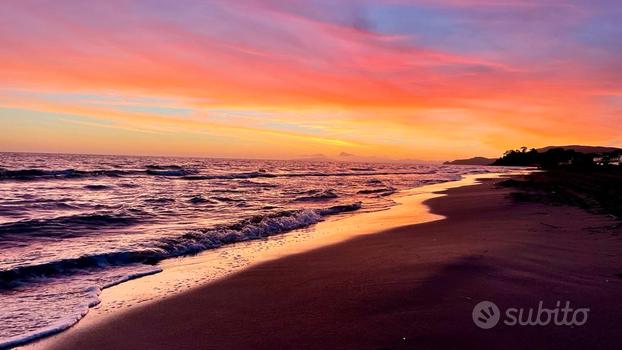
{"x": 72, "y": 225}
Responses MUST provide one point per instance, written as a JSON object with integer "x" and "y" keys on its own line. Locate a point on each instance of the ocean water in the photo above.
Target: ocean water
{"x": 71, "y": 225}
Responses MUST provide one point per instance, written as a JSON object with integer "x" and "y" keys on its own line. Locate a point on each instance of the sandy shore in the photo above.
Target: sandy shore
{"x": 413, "y": 286}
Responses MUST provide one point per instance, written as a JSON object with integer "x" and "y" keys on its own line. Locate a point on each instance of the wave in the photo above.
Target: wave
{"x": 384, "y": 191}
{"x": 188, "y": 173}
{"x": 160, "y": 200}
{"x": 40, "y": 174}
{"x": 317, "y": 195}
{"x": 362, "y": 169}
{"x": 40, "y": 204}
{"x": 198, "y": 199}
{"x": 242, "y": 175}
{"x": 258, "y": 174}
{"x": 340, "y": 209}
{"x": 249, "y": 183}
{"x": 163, "y": 167}
{"x": 68, "y": 226}
{"x": 189, "y": 243}
{"x": 170, "y": 172}
{"x": 227, "y": 199}
{"x": 96, "y": 187}
{"x": 356, "y": 173}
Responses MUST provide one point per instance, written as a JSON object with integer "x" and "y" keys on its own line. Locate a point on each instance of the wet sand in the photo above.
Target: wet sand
{"x": 413, "y": 286}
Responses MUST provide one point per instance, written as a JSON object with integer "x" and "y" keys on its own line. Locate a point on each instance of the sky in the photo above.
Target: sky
{"x": 398, "y": 79}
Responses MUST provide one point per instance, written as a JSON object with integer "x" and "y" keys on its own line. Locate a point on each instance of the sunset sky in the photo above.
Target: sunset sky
{"x": 430, "y": 79}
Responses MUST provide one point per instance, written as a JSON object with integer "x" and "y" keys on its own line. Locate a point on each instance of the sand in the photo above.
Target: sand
{"x": 413, "y": 286}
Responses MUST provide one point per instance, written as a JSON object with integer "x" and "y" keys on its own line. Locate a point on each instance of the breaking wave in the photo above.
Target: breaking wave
{"x": 189, "y": 243}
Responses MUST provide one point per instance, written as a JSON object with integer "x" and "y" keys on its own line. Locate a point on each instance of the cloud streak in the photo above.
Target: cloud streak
{"x": 492, "y": 75}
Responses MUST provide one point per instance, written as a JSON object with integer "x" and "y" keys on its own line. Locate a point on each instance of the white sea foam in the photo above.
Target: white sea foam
{"x": 73, "y": 296}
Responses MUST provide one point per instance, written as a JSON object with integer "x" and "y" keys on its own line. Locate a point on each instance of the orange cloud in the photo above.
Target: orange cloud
{"x": 310, "y": 78}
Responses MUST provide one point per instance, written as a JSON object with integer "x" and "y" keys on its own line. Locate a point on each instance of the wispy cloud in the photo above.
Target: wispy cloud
{"x": 392, "y": 76}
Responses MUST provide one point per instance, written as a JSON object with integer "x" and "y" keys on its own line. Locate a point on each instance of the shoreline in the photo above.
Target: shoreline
{"x": 182, "y": 274}
{"x": 410, "y": 286}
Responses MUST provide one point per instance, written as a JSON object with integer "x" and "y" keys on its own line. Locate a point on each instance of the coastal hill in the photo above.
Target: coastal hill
{"x": 576, "y": 148}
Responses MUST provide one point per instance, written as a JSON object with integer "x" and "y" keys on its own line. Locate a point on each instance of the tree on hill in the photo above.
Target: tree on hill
{"x": 559, "y": 157}
{"x": 519, "y": 157}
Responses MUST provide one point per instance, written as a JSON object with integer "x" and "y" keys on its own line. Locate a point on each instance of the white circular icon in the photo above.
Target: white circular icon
{"x": 486, "y": 315}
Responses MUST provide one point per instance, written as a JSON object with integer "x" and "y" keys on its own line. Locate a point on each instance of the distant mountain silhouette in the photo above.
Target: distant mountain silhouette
{"x": 580, "y": 149}
{"x": 472, "y": 161}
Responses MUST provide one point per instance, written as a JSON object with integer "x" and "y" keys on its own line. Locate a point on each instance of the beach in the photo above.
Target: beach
{"x": 310, "y": 174}
{"x": 409, "y": 286}
{"x": 73, "y": 226}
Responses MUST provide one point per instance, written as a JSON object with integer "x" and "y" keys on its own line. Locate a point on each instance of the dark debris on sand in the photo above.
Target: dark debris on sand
{"x": 595, "y": 190}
